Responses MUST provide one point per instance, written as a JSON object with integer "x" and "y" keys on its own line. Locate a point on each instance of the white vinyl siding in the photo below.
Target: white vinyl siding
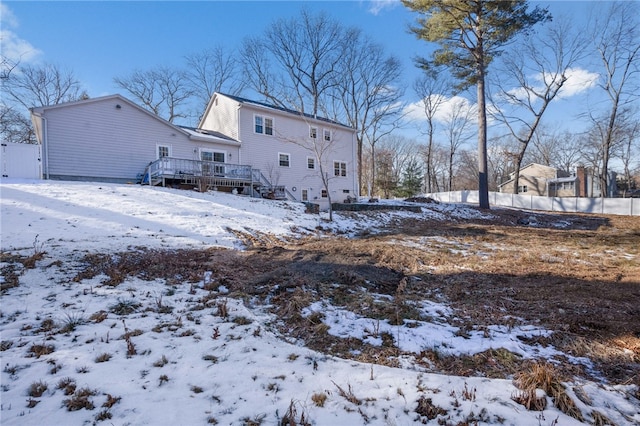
{"x": 94, "y": 139}
{"x": 262, "y": 152}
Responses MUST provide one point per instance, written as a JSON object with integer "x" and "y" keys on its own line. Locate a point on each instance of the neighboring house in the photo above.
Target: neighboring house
{"x": 537, "y": 179}
{"x": 240, "y": 145}
{"x": 533, "y": 179}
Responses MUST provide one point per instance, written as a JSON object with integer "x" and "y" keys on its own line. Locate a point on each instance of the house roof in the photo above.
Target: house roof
{"x": 564, "y": 179}
{"x": 191, "y": 132}
{"x": 279, "y": 108}
{"x": 209, "y": 136}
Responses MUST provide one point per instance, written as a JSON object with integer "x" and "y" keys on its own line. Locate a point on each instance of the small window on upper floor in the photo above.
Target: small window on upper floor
{"x": 268, "y": 126}
{"x": 263, "y": 125}
{"x": 313, "y": 132}
{"x": 284, "y": 159}
{"x": 326, "y": 135}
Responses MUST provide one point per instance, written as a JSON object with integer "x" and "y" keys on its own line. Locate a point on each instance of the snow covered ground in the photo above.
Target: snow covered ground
{"x": 140, "y": 354}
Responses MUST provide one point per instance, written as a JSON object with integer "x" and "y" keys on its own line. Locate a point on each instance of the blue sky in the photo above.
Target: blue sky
{"x": 99, "y": 40}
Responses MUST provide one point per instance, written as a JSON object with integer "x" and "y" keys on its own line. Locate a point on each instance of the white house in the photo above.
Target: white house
{"x": 112, "y": 139}
{"x": 240, "y": 145}
{"x": 289, "y": 148}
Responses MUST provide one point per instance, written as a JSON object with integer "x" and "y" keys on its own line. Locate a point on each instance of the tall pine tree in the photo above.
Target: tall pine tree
{"x": 470, "y": 33}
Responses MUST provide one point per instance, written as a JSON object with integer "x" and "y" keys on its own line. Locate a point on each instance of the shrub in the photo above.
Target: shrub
{"x": 103, "y": 357}
{"x": 37, "y": 389}
{"x": 39, "y": 350}
{"x": 80, "y": 400}
{"x": 319, "y": 399}
{"x": 124, "y": 307}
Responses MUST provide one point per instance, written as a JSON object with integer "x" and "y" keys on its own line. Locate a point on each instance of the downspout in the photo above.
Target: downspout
{"x": 45, "y": 146}
{"x": 356, "y": 184}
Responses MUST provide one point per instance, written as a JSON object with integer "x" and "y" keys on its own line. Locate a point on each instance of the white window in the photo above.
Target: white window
{"x": 324, "y": 193}
{"x": 339, "y": 168}
{"x": 311, "y": 163}
{"x": 313, "y": 132}
{"x": 305, "y": 195}
{"x": 522, "y": 188}
{"x": 217, "y": 156}
{"x": 259, "y": 127}
{"x": 326, "y": 134}
{"x": 284, "y": 159}
{"x": 163, "y": 151}
{"x": 263, "y": 125}
{"x": 268, "y": 126}
{"x": 209, "y": 169}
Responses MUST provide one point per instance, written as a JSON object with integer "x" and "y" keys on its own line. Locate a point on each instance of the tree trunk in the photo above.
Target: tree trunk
{"x": 483, "y": 176}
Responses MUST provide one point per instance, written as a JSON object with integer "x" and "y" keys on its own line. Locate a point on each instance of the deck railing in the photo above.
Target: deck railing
{"x": 216, "y": 173}
{"x": 169, "y": 167}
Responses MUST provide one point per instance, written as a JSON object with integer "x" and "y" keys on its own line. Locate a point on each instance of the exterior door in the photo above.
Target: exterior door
{"x": 215, "y": 157}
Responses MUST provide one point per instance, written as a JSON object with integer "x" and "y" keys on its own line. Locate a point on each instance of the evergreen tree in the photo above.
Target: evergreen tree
{"x": 470, "y": 34}
{"x": 412, "y": 178}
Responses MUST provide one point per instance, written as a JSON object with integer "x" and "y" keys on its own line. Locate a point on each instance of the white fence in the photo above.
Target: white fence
{"x": 621, "y": 206}
{"x": 20, "y": 160}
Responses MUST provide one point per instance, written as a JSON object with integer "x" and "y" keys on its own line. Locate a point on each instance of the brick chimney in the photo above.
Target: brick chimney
{"x": 581, "y": 175}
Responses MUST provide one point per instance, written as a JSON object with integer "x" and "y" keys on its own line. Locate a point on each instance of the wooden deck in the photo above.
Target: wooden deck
{"x": 213, "y": 174}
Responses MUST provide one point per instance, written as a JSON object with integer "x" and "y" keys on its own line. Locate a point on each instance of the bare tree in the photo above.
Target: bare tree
{"x": 30, "y": 86}
{"x": 212, "y": 70}
{"x": 322, "y": 150}
{"x": 33, "y": 86}
{"x": 15, "y": 127}
{"x": 539, "y": 67}
{"x": 560, "y": 149}
{"x": 431, "y": 88}
{"x": 396, "y": 152}
{"x": 617, "y": 41}
{"x": 457, "y": 124}
{"x": 162, "y": 90}
{"x": 630, "y": 145}
{"x": 293, "y": 64}
{"x": 7, "y": 65}
{"x": 379, "y": 130}
{"x": 368, "y": 91}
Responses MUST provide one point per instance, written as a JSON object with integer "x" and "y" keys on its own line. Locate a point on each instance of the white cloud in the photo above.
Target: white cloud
{"x": 415, "y": 111}
{"x": 377, "y": 6}
{"x": 12, "y": 47}
{"x": 578, "y": 81}
{"x": 7, "y": 18}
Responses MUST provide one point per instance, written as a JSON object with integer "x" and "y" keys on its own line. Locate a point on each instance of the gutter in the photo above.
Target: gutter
{"x": 44, "y": 141}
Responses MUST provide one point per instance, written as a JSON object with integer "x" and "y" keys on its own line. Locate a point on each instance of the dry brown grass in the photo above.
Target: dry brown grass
{"x": 581, "y": 281}
{"x": 544, "y": 376}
